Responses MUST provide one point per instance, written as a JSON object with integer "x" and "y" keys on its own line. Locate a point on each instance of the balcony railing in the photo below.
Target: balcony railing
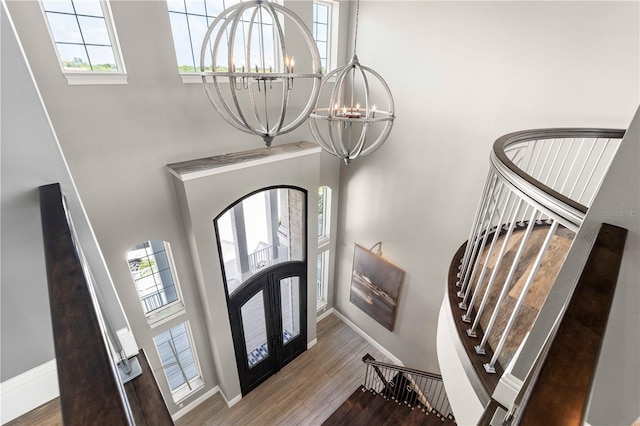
{"x": 538, "y": 190}
{"x": 260, "y": 259}
{"x": 414, "y": 388}
{"x": 154, "y": 301}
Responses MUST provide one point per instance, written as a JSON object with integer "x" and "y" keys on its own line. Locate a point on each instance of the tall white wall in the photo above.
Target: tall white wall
{"x": 463, "y": 74}
{"x": 117, "y": 140}
{"x": 31, "y": 157}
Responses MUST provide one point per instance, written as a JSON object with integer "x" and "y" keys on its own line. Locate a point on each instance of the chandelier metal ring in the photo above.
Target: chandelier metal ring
{"x": 241, "y": 89}
{"x": 344, "y": 118}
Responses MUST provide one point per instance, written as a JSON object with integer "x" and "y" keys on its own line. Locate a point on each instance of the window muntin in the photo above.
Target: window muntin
{"x": 262, "y": 230}
{"x": 150, "y": 264}
{"x": 179, "y": 361}
{"x": 83, "y": 36}
{"x": 190, "y": 20}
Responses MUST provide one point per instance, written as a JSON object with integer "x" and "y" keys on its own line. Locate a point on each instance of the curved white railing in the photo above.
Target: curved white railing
{"x": 540, "y": 180}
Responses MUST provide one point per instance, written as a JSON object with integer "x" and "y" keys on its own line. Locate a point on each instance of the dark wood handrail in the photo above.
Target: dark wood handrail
{"x": 566, "y": 376}
{"x": 90, "y": 388}
{"x": 368, "y": 359}
{"x": 558, "y": 389}
{"x": 90, "y": 392}
{"x": 500, "y": 146}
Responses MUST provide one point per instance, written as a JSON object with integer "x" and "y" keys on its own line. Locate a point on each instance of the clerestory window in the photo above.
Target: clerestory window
{"x": 85, "y": 40}
{"x": 325, "y": 13}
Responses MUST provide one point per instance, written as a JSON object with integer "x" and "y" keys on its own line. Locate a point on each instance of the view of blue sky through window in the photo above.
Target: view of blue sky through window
{"x": 80, "y": 34}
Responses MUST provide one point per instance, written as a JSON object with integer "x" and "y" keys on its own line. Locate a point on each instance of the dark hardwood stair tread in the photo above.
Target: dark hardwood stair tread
{"x": 349, "y": 409}
{"x": 398, "y": 415}
{"x": 364, "y": 408}
{"x": 371, "y": 413}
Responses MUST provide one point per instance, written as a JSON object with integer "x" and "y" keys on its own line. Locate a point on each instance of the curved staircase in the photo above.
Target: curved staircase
{"x": 539, "y": 189}
{"x": 393, "y": 394}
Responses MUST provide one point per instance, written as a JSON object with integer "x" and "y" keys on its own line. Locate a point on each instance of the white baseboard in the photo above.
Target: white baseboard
{"x": 324, "y": 314}
{"x": 29, "y": 390}
{"x": 193, "y": 404}
{"x": 312, "y": 343}
{"x": 231, "y": 402}
{"x": 368, "y": 338}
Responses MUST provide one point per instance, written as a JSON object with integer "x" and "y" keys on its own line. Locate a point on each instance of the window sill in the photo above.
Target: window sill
{"x": 321, "y": 304}
{"x": 88, "y": 79}
{"x": 184, "y": 392}
{"x": 194, "y": 77}
{"x": 165, "y": 314}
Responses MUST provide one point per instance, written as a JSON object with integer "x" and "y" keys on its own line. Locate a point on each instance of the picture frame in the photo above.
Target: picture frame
{"x": 375, "y": 286}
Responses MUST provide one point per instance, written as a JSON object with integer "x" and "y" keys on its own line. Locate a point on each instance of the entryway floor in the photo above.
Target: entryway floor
{"x": 305, "y": 392}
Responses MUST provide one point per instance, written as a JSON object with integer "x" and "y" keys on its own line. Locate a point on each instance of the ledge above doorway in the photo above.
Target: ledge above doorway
{"x": 193, "y": 169}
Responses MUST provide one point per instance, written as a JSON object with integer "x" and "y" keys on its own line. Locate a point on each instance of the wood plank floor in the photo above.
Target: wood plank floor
{"x": 305, "y": 392}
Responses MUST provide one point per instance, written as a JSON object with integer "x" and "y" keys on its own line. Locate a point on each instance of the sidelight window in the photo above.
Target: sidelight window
{"x": 324, "y": 223}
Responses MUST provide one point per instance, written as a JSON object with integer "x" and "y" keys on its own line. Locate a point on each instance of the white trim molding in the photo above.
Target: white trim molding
{"x": 88, "y": 79}
{"x": 193, "y": 404}
{"x": 368, "y": 338}
{"x": 231, "y": 402}
{"x": 29, "y": 390}
{"x": 324, "y": 315}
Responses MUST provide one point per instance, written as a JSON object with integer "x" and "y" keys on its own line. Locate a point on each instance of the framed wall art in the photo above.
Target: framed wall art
{"x": 375, "y": 286}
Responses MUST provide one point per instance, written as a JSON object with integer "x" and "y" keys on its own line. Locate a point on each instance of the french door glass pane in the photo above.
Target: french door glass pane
{"x": 290, "y": 303}
{"x": 255, "y": 329}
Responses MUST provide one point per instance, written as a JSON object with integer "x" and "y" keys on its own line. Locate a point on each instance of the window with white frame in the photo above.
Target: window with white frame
{"x": 324, "y": 218}
{"x": 324, "y": 213}
{"x": 83, "y": 36}
{"x": 324, "y": 15}
{"x": 179, "y": 361}
{"x": 323, "y": 278}
{"x": 151, "y": 267}
{"x": 190, "y": 20}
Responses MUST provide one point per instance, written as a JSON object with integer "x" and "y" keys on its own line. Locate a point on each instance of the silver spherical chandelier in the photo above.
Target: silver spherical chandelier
{"x": 360, "y": 111}
{"x": 250, "y": 73}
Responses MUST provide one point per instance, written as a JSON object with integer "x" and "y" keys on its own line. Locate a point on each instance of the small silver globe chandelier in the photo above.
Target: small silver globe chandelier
{"x": 354, "y": 123}
{"x": 249, "y": 73}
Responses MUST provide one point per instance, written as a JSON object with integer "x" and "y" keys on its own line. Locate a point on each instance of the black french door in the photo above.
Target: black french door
{"x": 268, "y": 317}
{"x": 262, "y": 245}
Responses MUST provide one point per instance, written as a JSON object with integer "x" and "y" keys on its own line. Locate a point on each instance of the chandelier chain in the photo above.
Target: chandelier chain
{"x": 355, "y": 38}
